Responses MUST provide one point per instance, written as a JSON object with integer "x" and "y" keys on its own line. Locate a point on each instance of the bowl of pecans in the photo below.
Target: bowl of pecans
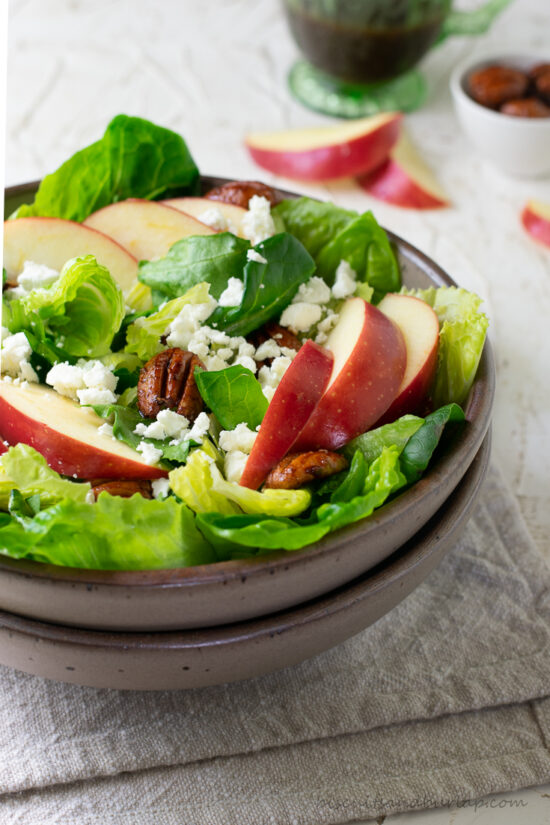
{"x": 503, "y": 105}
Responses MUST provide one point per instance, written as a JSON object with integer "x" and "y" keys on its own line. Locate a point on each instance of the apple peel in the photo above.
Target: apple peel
{"x": 535, "y": 218}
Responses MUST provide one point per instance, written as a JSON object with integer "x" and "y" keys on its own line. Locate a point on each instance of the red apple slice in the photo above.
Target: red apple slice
{"x": 198, "y": 206}
{"x": 369, "y": 364}
{"x": 145, "y": 228}
{"x": 52, "y": 241}
{"x": 66, "y": 434}
{"x": 420, "y": 327}
{"x": 327, "y": 152}
{"x": 300, "y": 389}
{"x": 404, "y": 180}
{"x": 536, "y": 220}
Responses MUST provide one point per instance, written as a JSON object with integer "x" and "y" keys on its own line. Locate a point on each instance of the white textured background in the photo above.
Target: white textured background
{"x": 214, "y": 69}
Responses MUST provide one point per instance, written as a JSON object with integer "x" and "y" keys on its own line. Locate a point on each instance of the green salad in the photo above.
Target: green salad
{"x": 139, "y": 390}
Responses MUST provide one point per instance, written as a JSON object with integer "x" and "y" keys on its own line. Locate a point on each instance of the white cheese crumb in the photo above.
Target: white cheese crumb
{"x": 161, "y": 487}
{"x": 150, "y": 453}
{"x": 314, "y": 291}
{"x": 345, "y": 281}
{"x": 247, "y": 362}
{"x": 252, "y": 255}
{"x": 269, "y": 349}
{"x": 232, "y": 294}
{"x": 34, "y": 276}
{"x": 234, "y": 464}
{"x": 173, "y": 423}
{"x": 299, "y": 317}
{"x": 257, "y": 224}
{"x": 89, "y": 382}
{"x": 187, "y": 322}
{"x": 93, "y": 395}
{"x": 240, "y": 438}
{"x": 215, "y": 218}
{"x": 199, "y": 428}
{"x": 268, "y": 391}
{"x": 14, "y": 356}
{"x": 106, "y": 429}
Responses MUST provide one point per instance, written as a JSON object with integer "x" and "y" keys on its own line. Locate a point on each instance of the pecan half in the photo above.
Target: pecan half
{"x": 297, "y": 469}
{"x": 494, "y": 85}
{"x": 542, "y": 84}
{"x": 281, "y": 335}
{"x": 525, "y": 107}
{"x": 167, "y": 381}
{"x": 122, "y": 487}
{"x": 239, "y": 192}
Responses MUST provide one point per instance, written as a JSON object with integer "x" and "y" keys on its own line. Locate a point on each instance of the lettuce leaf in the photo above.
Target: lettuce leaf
{"x": 462, "y": 334}
{"x": 82, "y": 310}
{"x": 134, "y": 159}
{"x": 112, "y": 534}
{"x": 397, "y": 433}
{"x": 202, "y": 487}
{"x": 143, "y": 335}
{"x": 268, "y": 288}
{"x": 312, "y": 221}
{"x": 124, "y": 421}
{"x": 420, "y": 447}
{"x": 234, "y": 395}
{"x": 210, "y": 258}
{"x": 25, "y": 469}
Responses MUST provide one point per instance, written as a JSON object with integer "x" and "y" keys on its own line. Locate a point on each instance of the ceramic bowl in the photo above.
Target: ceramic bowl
{"x": 212, "y": 656}
{"x": 518, "y": 146}
{"x": 235, "y": 591}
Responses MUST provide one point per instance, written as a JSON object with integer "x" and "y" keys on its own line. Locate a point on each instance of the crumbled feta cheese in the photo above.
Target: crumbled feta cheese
{"x": 95, "y": 374}
{"x": 257, "y": 223}
{"x": 270, "y": 377}
{"x": 215, "y": 218}
{"x": 187, "y": 322}
{"x": 268, "y": 392}
{"x": 215, "y": 362}
{"x": 345, "y": 281}
{"x": 174, "y": 424}
{"x": 314, "y": 291}
{"x": 93, "y": 395}
{"x": 14, "y": 357}
{"x": 240, "y": 438}
{"x": 225, "y": 352}
{"x": 252, "y": 255}
{"x": 328, "y": 322}
{"x": 299, "y": 317}
{"x": 280, "y": 366}
{"x": 89, "y": 382}
{"x": 245, "y": 349}
{"x": 199, "y": 429}
{"x": 90, "y": 497}
{"x": 199, "y": 348}
{"x": 151, "y": 455}
{"x": 247, "y": 362}
{"x": 106, "y": 429}
{"x": 34, "y": 276}
{"x": 5, "y": 333}
{"x": 161, "y": 487}
{"x": 234, "y": 464}
{"x": 232, "y": 294}
{"x": 269, "y": 349}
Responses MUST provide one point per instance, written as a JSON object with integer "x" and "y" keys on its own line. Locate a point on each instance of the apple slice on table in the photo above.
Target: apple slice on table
{"x": 369, "y": 364}
{"x": 536, "y": 220}
{"x": 145, "y": 228}
{"x": 53, "y": 241}
{"x": 403, "y": 179}
{"x": 420, "y": 327}
{"x": 327, "y": 152}
{"x": 198, "y": 206}
{"x": 295, "y": 398}
{"x": 66, "y": 434}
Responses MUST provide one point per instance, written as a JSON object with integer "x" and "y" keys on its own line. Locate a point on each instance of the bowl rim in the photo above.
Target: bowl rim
{"x": 478, "y": 414}
{"x": 520, "y": 60}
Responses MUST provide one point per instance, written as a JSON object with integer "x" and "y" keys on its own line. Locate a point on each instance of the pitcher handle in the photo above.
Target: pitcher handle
{"x": 474, "y": 22}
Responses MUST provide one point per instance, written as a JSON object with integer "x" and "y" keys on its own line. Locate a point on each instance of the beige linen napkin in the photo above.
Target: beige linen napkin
{"x": 441, "y": 701}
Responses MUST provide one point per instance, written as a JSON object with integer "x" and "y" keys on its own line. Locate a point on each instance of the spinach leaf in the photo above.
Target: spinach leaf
{"x": 313, "y": 222}
{"x": 396, "y": 433}
{"x": 125, "y": 420}
{"x": 420, "y": 447}
{"x": 365, "y": 246}
{"x": 134, "y": 159}
{"x": 210, "y": 258}
{"x": 268, "y": 288}
{"x": 234, "y": 395}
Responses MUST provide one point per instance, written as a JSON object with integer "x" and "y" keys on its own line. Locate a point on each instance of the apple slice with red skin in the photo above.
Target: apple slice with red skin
{"x": 145, "y": 228}
{"x": 66, "y": 434}
{"x": 53, "y": 241}
{"x": 295, "y": 398}
{"x": 198, "y": 206}
{"x": 403, "y": 179}
{"x": 369, "y": 364}
{"x": 420, "y": 327}
{"x": 327, "y": 152}
{"x": 536, "y": 220}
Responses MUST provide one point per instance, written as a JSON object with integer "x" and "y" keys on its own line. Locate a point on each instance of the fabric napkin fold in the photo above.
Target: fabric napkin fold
{"x": 442, "y": 700}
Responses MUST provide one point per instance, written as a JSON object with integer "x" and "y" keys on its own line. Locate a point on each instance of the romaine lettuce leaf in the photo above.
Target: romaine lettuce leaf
{"x": 113, "y": 534}
{"x": 134, "y": 159}
{"x": 462, "y": 334}
{"x": 268, "y": 288}
{"x": 234, "y": 395}
{"x": 143, "y": 336}
{"x": 26, "y": 470}
{"x": 210, "y": 258}
{"x": 82, "y": 310}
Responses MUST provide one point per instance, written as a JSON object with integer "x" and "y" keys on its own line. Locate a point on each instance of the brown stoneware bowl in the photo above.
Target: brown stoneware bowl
{"x": 215, "y": 655}
{"x": 236, "y": 591}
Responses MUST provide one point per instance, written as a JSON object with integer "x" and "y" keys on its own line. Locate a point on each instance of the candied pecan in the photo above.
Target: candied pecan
{"x": 167, "y": 381}
{"x": 239, "y": 192}
{"x": 494, "y": 85}
{"x": 538, "y": 70}
{"x": 281, "y": 335}
{"x": 542, "y": 84}
{"x": 297, "y": 469}
{"x": 525, "y": 107}
{"x": 122, "y": 487}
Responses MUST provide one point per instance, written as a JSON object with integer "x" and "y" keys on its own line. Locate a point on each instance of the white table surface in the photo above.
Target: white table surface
{"x": 215, "y": 69}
